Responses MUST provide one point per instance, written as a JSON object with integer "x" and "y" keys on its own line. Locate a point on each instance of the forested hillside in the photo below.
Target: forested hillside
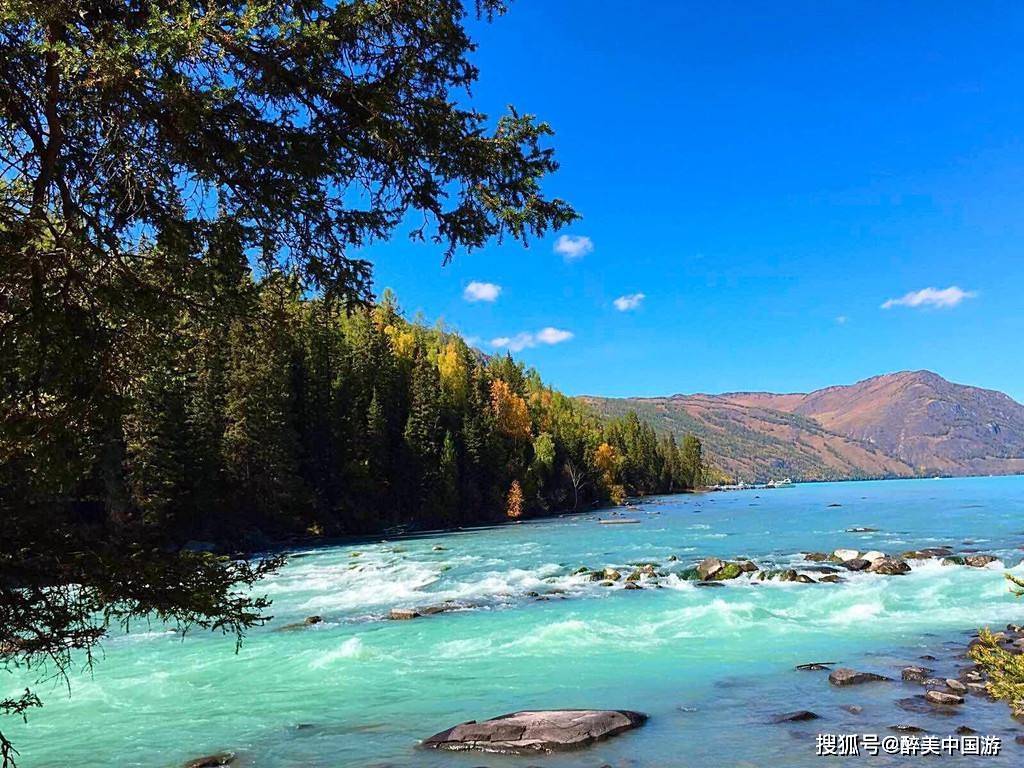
{"x": 305, "y": 418}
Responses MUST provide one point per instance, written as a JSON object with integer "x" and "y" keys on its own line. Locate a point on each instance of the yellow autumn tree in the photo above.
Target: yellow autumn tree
{"x": 452, "y": 368}
{"x": 403, "y": 341}
{"x": 514, "y": 502}
{"x": 510, "y": 412}
{"x": 608, "y": 460}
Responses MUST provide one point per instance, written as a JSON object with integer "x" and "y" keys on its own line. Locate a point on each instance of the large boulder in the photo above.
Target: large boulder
{"x": 979, "y": 561}
{"x": 846, "y": 676}
{"x": 939, "y": 697}
{"x": 730, "y": 571}
{"x": 857, "y": 564}
{"x": 843, "y": 555}
{"x": 709, "y": 566}
{"x": 873, "y": 555}
{"x": 537, "y": 731}
{"x": 889, "y": 566}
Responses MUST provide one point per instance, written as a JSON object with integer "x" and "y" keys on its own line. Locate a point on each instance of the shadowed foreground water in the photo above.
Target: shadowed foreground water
{"x": 711, "y": 666}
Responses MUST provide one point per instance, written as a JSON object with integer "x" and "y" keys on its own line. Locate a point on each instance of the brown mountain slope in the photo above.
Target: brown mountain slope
{"x": 897, "y": 425}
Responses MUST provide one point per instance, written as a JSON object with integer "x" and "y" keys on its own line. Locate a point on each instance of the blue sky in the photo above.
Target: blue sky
{"x": 767, "y": 176}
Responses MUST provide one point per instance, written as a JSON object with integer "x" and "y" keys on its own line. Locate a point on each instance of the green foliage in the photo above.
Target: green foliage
{"x": 1005, "y": 670}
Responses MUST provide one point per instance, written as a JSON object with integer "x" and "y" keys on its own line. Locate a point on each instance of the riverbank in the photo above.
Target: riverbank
{"x": 712, "y": 666}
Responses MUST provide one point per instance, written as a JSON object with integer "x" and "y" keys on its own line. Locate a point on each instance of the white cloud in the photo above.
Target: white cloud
{"x": 946, "y": 298}
{"x": 526, "y": 340}
{"x": 573, "y": 247}
{"x": 477, "y": 291}
{"x": 629, "y": 301}
{"x": 551, "y": 335}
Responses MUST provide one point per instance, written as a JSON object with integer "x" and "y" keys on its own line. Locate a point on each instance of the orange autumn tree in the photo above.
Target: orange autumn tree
{"x": 510, "y": 412}
{"x": 514, "y": 502}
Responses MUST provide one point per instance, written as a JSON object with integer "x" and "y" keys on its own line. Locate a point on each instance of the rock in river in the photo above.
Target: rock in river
{"x": 979, "y": 561}
{"x": 846, "y": 676}
{"x": 915, "y": 674}
{"x": 212, "y": 761}
{"x": 403, "y": 614}
{"x": 709, "y": 566}
{"x": 938, "y": 697}
{"x": 537, "y": 731}
{"x": 799, "y": 716}
{"x": 857, "y": 564}
{"x": 842, "y": 555}
{"x": 889, "y": 566}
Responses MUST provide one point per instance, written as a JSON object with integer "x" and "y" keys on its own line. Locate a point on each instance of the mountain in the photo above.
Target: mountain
{"x": 903, "y": 424}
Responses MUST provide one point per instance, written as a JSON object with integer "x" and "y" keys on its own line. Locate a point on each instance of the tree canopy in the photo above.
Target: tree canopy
{"x": 161, "y": 159}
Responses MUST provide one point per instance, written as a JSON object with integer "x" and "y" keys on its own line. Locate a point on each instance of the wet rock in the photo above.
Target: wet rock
{"x": 610, "y": 574}
{"x": 965, "y": 730}
{"x": 816, "y": 557}
{"x": 212, "y": 761}
{"x": 915, "y": 704}
{"x": 690, "y": 574}
{"x": 709, "y": 566}
{"x": 889, "y": 566}
{"x": 939, "y": 697}
{"x": 902, "y": 728}
{"x": 537, "y": 731}
{"x": 581, "y": 570}
{"x": 955, "y": 686}
{"x": 915, "y": 674}
{"x": 788, "y": 575}
{"x": 857, "y": 564}
{"x": 672, "y": 558}
{"x": 800, "y": 716}
{"x": 403, "y": 614}
{"x": 803, "y": 578}
{"x": 979, "y": 561}
{"x": 748, "y": 566}
{"x": 926, "y": 553}
{"x": 862, "y": 529}
{"x": 730, "y": 571}
{"x": 311, "y": 620}
{"x": 927, "y": 657}
{"x": 1019, "y": 739}
{"x": 854, "y": 709}
{"x": 873, "y": 555}
{"x": 831, "y": 578}
{"x": 710, "y": 584}
{"x": 846, "y": 676}
{"x": 953, "y": 560}
{"x": 439, "y": 548}
{"x": 815, "y": 666}
{"x": 843, "y": 555}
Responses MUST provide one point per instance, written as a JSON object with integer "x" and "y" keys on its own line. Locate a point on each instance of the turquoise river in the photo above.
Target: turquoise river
{"x": 711, "y": 666}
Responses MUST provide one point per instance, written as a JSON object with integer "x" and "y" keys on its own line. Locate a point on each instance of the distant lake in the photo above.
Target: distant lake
{"x": 711, "y": 666}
